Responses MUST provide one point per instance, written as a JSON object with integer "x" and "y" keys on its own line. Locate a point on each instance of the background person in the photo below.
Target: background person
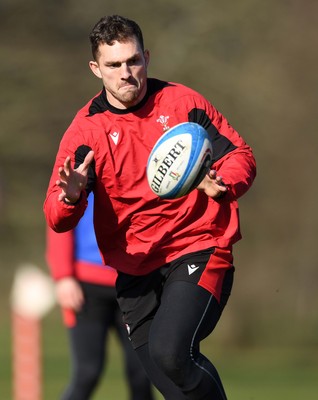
{"x": 86, "y": 293}
{"x": 150, "y": 241}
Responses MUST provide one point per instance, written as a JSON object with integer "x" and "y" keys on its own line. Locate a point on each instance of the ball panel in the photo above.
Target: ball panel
{"x": 179, "y": 160}
{"x": 168, "y": 162}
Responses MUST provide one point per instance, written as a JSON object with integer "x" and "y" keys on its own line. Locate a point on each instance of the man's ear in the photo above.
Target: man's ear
{"x": 95, "y": 69}
{"x": 147, "y": 57}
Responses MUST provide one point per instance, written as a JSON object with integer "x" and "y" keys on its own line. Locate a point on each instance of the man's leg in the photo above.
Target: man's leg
{"x": 87, "y": 343}
{"x": 138, "y": 381}
{"x": 88, "y": 340}
{"x": 165, "y": 385}
{"x": 187, "y": 314}
{"x": 167, "y": 323}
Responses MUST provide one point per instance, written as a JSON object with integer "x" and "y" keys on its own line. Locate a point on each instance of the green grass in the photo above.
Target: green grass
{"x": 257, "y": 373}
{"x": 270, "y": 373}
{"x": 56, "y": 365}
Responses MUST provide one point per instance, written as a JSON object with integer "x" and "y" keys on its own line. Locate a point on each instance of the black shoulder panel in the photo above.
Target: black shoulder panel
{"x": 221, "y": 144}
{"x": 99, "y": 104}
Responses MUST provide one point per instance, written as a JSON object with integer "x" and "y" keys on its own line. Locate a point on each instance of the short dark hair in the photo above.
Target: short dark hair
{"x": 114, "y": 28}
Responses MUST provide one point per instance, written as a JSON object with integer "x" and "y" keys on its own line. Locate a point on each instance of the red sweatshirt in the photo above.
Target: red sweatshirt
{"x": 136, "y": 231}
{"x": 62, "y": 263}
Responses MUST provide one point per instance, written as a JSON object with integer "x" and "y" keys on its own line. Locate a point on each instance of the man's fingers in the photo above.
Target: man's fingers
{"x": 212, "y": 174}
{"x": 64, "y": 171}
{"x": 67, "y": 162}
{"x": 61, "y": 196}
{"x": 88, "y": 159}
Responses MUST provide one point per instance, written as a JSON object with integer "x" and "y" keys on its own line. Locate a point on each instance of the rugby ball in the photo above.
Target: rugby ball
{"x": 179, "y": 160}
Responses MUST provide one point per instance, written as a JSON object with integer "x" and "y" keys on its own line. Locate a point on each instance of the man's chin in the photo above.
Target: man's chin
{"x": 130, "y": 98}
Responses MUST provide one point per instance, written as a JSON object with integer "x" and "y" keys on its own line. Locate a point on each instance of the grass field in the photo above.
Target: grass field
{"x": 248, "y": 374}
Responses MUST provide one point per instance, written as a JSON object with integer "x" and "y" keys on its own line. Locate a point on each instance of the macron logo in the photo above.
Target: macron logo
{"x": 192, "y": 268}
{"x": 114, "y": 136}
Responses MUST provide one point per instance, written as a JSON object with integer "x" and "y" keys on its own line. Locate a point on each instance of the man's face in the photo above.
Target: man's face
{"x": 123, "y": 70}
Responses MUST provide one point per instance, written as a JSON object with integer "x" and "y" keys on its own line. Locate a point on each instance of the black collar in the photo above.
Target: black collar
{"x": 100, "y": 103}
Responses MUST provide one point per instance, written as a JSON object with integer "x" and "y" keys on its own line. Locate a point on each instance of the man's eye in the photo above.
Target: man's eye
{"x": 133, "y": 61}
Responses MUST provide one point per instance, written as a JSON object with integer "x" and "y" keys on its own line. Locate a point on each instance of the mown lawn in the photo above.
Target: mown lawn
{"x": 248, "y": 374}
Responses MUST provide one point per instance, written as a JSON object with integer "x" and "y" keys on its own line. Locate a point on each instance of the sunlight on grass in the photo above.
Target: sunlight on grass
{"x": 258, "y": 373}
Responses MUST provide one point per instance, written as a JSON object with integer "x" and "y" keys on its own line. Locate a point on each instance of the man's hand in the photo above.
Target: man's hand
{"x": 73, "y": 181}
{"x": 212, "y": 185}
{"x": 69, "y": 294}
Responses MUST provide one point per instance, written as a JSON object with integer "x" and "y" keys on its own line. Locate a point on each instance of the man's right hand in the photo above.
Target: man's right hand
{"x": 73, "y": 181}
{"x": 69, "y": 293}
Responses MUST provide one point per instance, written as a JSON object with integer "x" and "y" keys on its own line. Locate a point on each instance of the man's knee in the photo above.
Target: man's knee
{"x": 88, "y": 375}
{"x": 169, "y": 359}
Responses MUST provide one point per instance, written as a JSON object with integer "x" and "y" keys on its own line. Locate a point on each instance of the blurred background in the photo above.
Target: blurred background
{"x": 256, "y": 62}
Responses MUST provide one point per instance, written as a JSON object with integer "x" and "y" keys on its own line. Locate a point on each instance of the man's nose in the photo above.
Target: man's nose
{"x": 125, "y": 71}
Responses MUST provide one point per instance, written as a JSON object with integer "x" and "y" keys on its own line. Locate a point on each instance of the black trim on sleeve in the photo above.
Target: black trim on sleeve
{"x": 221, "y": 144}
{"x": 80, "y": 155}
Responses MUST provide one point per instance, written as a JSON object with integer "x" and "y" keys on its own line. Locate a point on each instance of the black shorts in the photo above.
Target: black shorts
{"x": 139, "y": 296}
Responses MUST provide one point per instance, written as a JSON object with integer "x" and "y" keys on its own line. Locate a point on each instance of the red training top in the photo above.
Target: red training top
{"x": 136, "y": 231}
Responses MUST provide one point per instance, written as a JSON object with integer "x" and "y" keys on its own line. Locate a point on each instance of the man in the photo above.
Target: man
{"x": 154, "y": 244}
{"x": 85, "y": 291}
